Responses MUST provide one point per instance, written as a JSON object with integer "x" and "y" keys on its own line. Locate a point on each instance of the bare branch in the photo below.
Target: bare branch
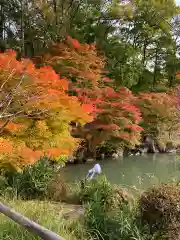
{"x": 10, "y": 100}
{"x": 10, "y": 75}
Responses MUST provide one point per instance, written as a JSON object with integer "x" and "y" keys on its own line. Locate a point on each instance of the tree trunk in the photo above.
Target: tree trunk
{"x": 2, "y": 26}
{"x": 143, "y": 62}
{"x": 55, "y": 12}
{"x": 155, "y": 67}
{"x": 1, "y": 20}
{"x": 22, "y": 29}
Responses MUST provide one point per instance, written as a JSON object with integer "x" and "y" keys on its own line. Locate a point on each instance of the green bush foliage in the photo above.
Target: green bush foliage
{"x": 100, "y": 191}
{"x": 108, "y": 212}
{"x": 33, "y": 182}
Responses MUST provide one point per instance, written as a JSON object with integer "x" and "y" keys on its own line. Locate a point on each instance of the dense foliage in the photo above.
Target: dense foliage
{"x": 35, "y": 113}
{"x": 98, "y": 72}
{"x": 159, "y": 113}
{"x": 115, "y": 116}
{"x": 139, "y": 38}
{"x": 113, "y": 64}
{"x": 117, "y": 111}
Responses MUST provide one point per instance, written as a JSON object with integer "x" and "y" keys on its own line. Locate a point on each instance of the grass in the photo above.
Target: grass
{"x": 110, "y": 213}
{"x": 46, "y": 214}
{"x": 50, "y": 215}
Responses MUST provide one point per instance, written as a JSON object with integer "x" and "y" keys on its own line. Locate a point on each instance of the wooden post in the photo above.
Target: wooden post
{"x": 31, "y": 226}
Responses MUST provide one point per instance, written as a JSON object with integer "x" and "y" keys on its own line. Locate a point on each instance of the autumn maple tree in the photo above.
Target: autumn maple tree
{"x": 35, "y": 113}
{"x": 119, "y": 116}
{"x": 159, "y": 113}
{"x": 115, "y": 116}
{"x": 69, "y": 84}
{"x": 80, "y": 63}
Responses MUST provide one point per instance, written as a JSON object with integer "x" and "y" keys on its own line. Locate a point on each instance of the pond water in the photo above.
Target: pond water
{"x": 136, "y": 172}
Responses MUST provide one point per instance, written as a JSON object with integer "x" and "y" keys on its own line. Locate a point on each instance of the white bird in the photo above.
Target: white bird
{"x": 95, "y": 170}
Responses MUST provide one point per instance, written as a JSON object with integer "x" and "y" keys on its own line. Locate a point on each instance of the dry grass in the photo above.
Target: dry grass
{"x": 160, "y": 209}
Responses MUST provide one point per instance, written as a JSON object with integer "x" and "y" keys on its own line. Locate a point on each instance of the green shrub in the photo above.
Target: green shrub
{"x": 59, "y": 190}
{"x": 119, "y": 224}
{"x": 6, "y": 190}
{"x": 108, "y": 212}
{"x": 39, "y": 181}
{"x": 96, "y": 190}
{"x": 99, "y": 190}
{"x": 34, "y": 180}
{"x": 3, "y": 183}
{"x": 73, "y": 194}
{"x": 160, "y": 209}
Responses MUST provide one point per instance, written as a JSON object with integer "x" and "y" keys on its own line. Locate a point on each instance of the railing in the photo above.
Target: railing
{"x": 31, "y": 226}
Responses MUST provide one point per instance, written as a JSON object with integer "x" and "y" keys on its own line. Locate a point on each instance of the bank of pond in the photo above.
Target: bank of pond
{"x": 99, "y": 210}
{"x": 148, "y": 145}
{"x": 102, "y": 208}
